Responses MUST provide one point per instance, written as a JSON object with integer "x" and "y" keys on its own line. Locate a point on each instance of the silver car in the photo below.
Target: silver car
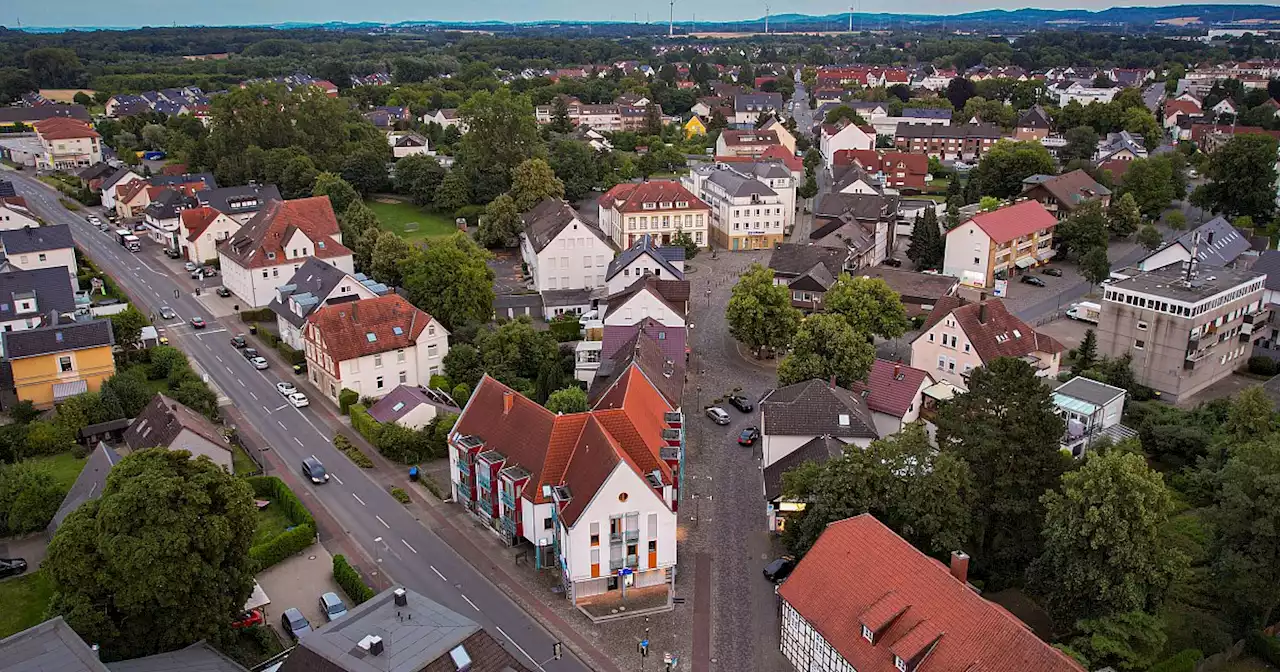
{"x": 259, "y": 363}
{"x": 332, "y": 607}
{"x": 294, "y": 623}
{"x": 718, "y": 415}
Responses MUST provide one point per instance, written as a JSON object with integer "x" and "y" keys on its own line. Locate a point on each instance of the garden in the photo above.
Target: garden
{"x": 411, "y": 222}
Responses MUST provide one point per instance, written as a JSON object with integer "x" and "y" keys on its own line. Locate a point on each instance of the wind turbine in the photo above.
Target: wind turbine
{"x": 766, "y": 18}
{"x": 851, "y": 18}
{"x": 671, "y": 19}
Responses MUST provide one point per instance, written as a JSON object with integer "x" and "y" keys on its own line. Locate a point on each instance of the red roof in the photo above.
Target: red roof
{"x": 1013, "y": 221}
{"x": 64, "y": 128}
{"x": 1117, "y": 168}
{"x": 773, "y": 153}
{"x": 366, "y": 327}
{"x": 260, "y": 242}
{"x": 918, "y": 606}
{"x": 891, "y": 387}
{"x": 631, "y": 197}
{"x": 197, "y": 220}
{"x": 992, "y": 329}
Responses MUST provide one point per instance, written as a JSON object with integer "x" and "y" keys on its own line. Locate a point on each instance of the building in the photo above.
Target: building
{"x": 957, "y": 142}
{"x": 930, "y": 116}
{"x": 162, "y": 216}
{"x": 960, "y": 336}
{"x": 860, "y": 223}
{"x": 36, "y": 248}
{"x": 695, "y": 126}
{"x": 646, "y": 354}
{"x": 919, "y": 292}
{"x": 1185, "y": 329}
{"x": 165, "y": 423}
{"x": 30, "y": 115}
{"x": 1090, "y": 410}
{"x": 1213, "y": 244}
{"x": 752, "y": 204}
{"x": 273, "y": 245}
{"x": 785, "y": 137}
{"x": 657, "y": 307}
{"x": 895, "y": 608}
{"x": 408, "y": 143}
{"x": 748, "y": 107}
{"x": 413, "y": 406}
{"x": 239, "y": 203}
{"x": 595, "y": 493}
{"x": 894, "y": 393}
{"x": 808, "y": 271}
{"x": 660, "y": 208}
{"x": 833, "y": 138}
{"x": 116, "y": 181}
{"x": 991, "y": 245}
{"x": 893, "y": 172}
{"x": 1063, "y": 194}
{"x": 313, "y": 285}
{"x": 88, "y": 485}
{"x": 398, "y": 629}
{"x": 780, "y": 509}
{"x": 68, "y": 144}
{"x": 1083, "y": 93}
{"x": 56, "y": 361}
{"x": 14, "y": 213}
{"x": 200, "y": 230}
{"x": 644, "y": 258}
{"x": 794, "y": 415}
{"x": 733, "y": 143}
{"x": 446, "y": 117}
{"x": 1177, "y": 110}
{"x": 371, "y": 346}
{"x": 53, "y": 645}
{"x": 1032, "y": 125}
{"x": 31, "y": 299}
{"x": 562, "y": 252}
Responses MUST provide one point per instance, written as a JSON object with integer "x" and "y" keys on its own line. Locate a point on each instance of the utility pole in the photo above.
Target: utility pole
{"x": 671, "y": 19}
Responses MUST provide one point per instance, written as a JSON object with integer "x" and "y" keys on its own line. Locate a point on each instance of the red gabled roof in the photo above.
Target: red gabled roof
{"x": 130, "y": 189}
{"x": 366, "y": 327}
{"x": 260, "y": 242}
{"x": 860, "y": 571}
{"x": 993, "y": 331}
{"x": 631, "y": 197}
{"x": 891, "y": 387}
{"x": 64, "y": 128}
{"x": 1186, "y": 107}
{"x": 1013, "y": 221}
{"x": 196, "y": 220}
{"x": 772, "y": 153}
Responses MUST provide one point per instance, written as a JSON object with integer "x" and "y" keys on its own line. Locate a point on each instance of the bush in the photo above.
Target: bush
{"x": 400, "y": 495}
{"x": 29, "y": 497}
{"x": 344, "y": 445}
{"x": 258, "y": 315}
{"x": 347, "y": 577}
{"x": 439, "y": 382}
{"x": 1264, "y": 646}
{"x": 291, "y": 355}
{"x": 291, "y": 541}
{"x": 361, "y": 421}
{"x": 1182, "y": 661}
{"x": 345, "y": 399}
{"x": 1263, "y": 365}
{"x": 566, "y": 328}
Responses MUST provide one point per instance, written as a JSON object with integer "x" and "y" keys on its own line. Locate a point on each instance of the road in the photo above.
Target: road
{"x": 408, "y": 552}
{"x": 800, "y": 110}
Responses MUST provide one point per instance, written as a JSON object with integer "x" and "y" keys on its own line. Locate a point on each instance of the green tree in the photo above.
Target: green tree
{"x": 1082, "y": 144}
{"x": 809, "y": 189}
{"x": 835, "y": 114}
{"x": 1241, "y": 178}
{"x": 1149, "y": 238}
{"x": 1151, "y": 183}
{"x": 988, "y": 204}
{"x": 683, "y": 239}
{"x": 391, "y": 255}
{"x": 29, "y": 497}
{"x": 161, "y": 514}
{"x": 501, "y": 134}
{"x": 568, "y": 400}
{"x": 1131, "y": 641}
{"x": 575, "y": 165}
{"x": 1176, "y": 220}
{"x": 1085, "y": 230}
{"x": 501, "y": 224}
{"x": 532, "y": 182}
{"x": 1007, "y": 429}
{"x": 825, "y": 346}
{"x": 1140, "y": 121}
{"x": 366, "y": 168}
{"x": 760, "y": 314}
{"x": 454, "y": 192}
{"x": 82, "y": 98}
{"x": 812, "y": 161}
{"x": 1094, "y": 265}
{"x": 418, "y": 177}
{"x": 927, "y": 244}
{"x": 126, "y": 327}
{"x": 1001, "y": 171}
{"x": 340, "y": 192}
{"x": 196, "y": 395}
{"x": 869, "y": 305}
{"x": 652, "y": 120}
{"x": 54, "y": 68}
{"x": 452, "y": 282}
{"x": 1123, "y": 217}
{"x": 1246, "y": 550}
{"x": 129, "y": 390}
{"x": 463, "y": 366}
{"x": 1251, "y": 417}
{"x": 517, "y": 354}
{"x": 1086, "y": 354}
{"x": 355, "y": 220}
{"x": 560, "y": 122}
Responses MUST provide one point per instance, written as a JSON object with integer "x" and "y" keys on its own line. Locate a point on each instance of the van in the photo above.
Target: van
{"x": 121, "y": 234}
{"x": 1085, "y": 311}
{"x": 132, "y": 243}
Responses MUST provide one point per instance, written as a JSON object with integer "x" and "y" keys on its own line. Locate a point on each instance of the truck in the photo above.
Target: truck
{"x": 1085, "y": 311}
{"x": 132, "y": 243}
{"x": 121, "y": 234}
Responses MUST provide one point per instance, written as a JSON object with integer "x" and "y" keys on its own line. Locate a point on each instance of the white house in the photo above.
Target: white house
{"x": 41, "y": 247}
{"x": 201, "y": 229}
{"x": 960, "y": 336}
{"x": 316, "y": 284}
{"x": 894, "y": 393}
{"x": 32, "y": 297}
{"x": 412, "y": 406}
{"x": 371, "y": 346}
{"x": 1091, "y": 410}
{"x": 445, "y": 117}
{"x": 794, "y": 415}
{"x": 68, "y": 144}
{"x": 14, "y": 216}
{"x": 272, "y": 246}
{"x": 644, "y": 258}
{"x": 663, "y": 209}
{"x": 785, "y": 137}
{"x": 994, "y": 245}
{"x": 846, "y": 135}
{"x": 165, "y": 423}
{"x": 752, "y": 204}
{"x": 562, "y": 251}
{"x": 1085, "y": 94}
{"x": 408, "y": 143}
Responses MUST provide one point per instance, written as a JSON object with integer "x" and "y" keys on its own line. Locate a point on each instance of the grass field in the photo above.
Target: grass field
{"x": 25, "y": 599}
{"x": 271, "y": 522}
{"x": 395, "y": 216}
{"x": 65, "y": 467}
{"x": 241, "y": 463}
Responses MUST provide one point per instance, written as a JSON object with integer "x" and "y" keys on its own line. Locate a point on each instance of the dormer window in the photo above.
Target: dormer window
{"x": 868, "y": 635}
{"x": 650, "y": 206}
{"x": 271, "y": 255}
{"x": 900, "y": 663}
{"x": 682, "y": 204}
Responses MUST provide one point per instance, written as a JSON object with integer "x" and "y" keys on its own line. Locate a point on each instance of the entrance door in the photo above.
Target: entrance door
{"x": 612, "y": 582}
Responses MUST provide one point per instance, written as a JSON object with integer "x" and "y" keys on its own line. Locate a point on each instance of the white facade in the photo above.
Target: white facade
{"x": 849, "y": 137}
{"x": 663, "y": 224}
{"x": 888, "y": 424}
{"x": 1086, "y": 95}
{"x": 377, "y": 374}
{"x": 806, "y": 648}
{"x": 109, "y": 194}
{"x": 13, "y": 217}
{"x": 639, "y": 267}
{"x": 968, "y": 255}
{"x": 205, "y": 246}
{"x": 643, "y": 304}
{"x": 257, "y": 286}
{"x": 577, "y": 258}
{"x": 946, "y": 353}
{"x": 400, "y": 151}
{"x": 68, "y": 153}
{"x": 889, "y": 125}
{"x": 197, "y": 445}
{"x": 766, "y": 211}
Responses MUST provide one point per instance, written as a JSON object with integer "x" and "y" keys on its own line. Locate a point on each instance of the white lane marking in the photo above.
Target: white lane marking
{"x": 299, "y": 441}
{"x": 265, "y": 409}
{"x": 219, "y": 358}
{"x": 433, "y": 568}
{"x": 240, "y": 381}
{"x": 282, "y": 425}
{"x": 282, "y": 407}
{"x": 228, "y": 369}
{"x": 255, "y": 397}
{"x": 521, "y": 648}
{"x": 358, "y": 499}
{"x": 339, "y": 480}
{"x": 157, "y": 294}
{"x": 384, "y": 523}
{"x": 406, "y": 544}
{"x": 473, "y": 604}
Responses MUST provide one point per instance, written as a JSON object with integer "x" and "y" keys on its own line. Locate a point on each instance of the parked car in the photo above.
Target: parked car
{"x": 260, "y": 363}
{"x": 139, "y": 227}
{"x": 749, "y": 436}
{"x": 895, "y": 263}
{"x": 172, "y": 253}
{"x": 198, "y": 322}
{"x": 238, "y": 341}
{"x": 93, "y": 219}
{"x": 740, "y": 402}
{"x": 248, "y": 619}
{"x": 210, "y": 271}
{"x": 190, "y": 266}
{"x": 295, "y": 623}
{"x": 332, "y": 607}
{"x": 167, "y": 313}
{"x": 298, "y": 400}
{"x": 285, "y": 388}
{"x": 718, "y": 415}
{"x": 1031, "y": 280}
{"x": 779, "y": 569}
{"x": 314, "y": 470}
{"x": 197, "y": 274}
{"x": 12, "y": 566}
{"x": 223, "y": 292}
{"x": 1049, "y": 270}
{"x": 249, "y": 353}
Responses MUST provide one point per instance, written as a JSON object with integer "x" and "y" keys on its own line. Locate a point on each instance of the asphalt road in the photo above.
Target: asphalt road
{"x": 409, "y": 553}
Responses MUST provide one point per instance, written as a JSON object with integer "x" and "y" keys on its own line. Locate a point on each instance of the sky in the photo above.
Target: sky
{"x": 132, "y": 13}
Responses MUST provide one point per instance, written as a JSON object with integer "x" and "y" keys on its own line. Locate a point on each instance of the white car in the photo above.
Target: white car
{"x": 285, "y": 388}
{"x": 93, "y": 219}
{"x": 259, "y": 363}
{"x": 298, "y": 399}
{"x": 167, "y": 313}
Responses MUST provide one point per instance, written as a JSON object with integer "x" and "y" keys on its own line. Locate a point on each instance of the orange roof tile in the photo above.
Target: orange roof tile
{"x": 369, "y": 326}
{"x": 631, "y": 197}
{"x": 64, "y": 128}
{"x": 197, "y": 220}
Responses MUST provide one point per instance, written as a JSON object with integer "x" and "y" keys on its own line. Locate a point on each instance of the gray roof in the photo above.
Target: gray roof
{"x": 88, "y": 485}
{"x": 566, "y": 297}
{"x": 117, "y": 176}
{"x": 199, "y": 657}
{"x": 36, "y": 239}
{"x": 791, "y": 259}
{"x": 547, "y": 219}
{"x": 926, "y": 113}
{"x": 908, "y": 130}
{"x": 737, "y": 185}
{"x": 645, "y": 245}
{"x": 168, "y": 203}
{"x": 41, "y": 112}
{"x": 163, "y": 419}
{"x": 748, "y": 102}
{"x": 1168, "y": 283}
{"x": 1219, "y": 244}
{"x": 405, "y": 398}
{"x": 314, "y": 278}
{"x": 163, "y": 180}
{"x": 1269, "y": 262}
{"x": 51, "y": 646}
{"x": 97, "y": 170}
{"x": 51, "y": 286}
{"x": 818, "y": 449}
{"x": 1034, "y": 117}
{"x": 238, "y": 200}
{"x": 58, "y": 338}
{"x": 1087, "y": 389}
{"x": 815, "y": 408}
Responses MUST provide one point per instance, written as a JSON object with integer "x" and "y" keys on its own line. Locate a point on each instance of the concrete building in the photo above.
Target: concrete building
{"x": 37, "y": 248}
{"x": 68, "y": 144}
{"x": 963, "y": 142}
{"x": 566, "y": 256}
{"x": 752, "y": 204}
{"x": 660, "y": 208}
{"x": 1185, "y": 329}
{"x": 268, "y": 250}
{"x": 1090, "y": 410}
{"x": 992, "y": 245}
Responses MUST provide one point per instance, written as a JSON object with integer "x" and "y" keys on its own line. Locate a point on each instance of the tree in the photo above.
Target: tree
{"x": 454, "y": 191}
{"x": 839, "y": 112}
{"x": 927, "y": 244}
{"x": 652, "y": 120}
{"x": 418, "y": 177}
{"x": 1094, "y": 265}
{"x": 1251, "y": 417}
{"x": 501, "y": 133}
{"x": 1123, "y": 217}
{"x": 812, "y": 160}
{"x": 366, "y": 169}
{"x": 501, "y": 224}
{"x": 574, "y": 164}
{"x": 517, "y": 355}
{"x": 29, "y": 497}
{"x": 82, "y": 98}
{"x": 1086, "y": 354}
{"x": 560, "y": 116}
{"x": 129, "y": 390}
{"x": 988, "y": 204}
{"x": 340, "y": 192}
{"x": 1175, "y": 220}
{"x": 1129, "y": 641}
{"x": 1082, "y": 144}
{"x": 1149, "y": 237}
{"x": 869, "y": 305}
{"x": 452, "y": 282}
{"x": 1241, "y": 178}
{"x": 1007, "y": 429}
{"x": 959, "y": 91}
{"x": 391, "y": 254}
{"x": 54, "y": 68}
{"x": 1085, "y": 230}
{"x": 809, "y": 189}
{"x": 683, "y": 239}
{"x": 1151, "y": 182}
{"x": 1001, "y": 171}
{"x": 532, "y": 182}
{"x": 759, "y": 313}
{"x": 825, "y": 346}
{"x": 126, "y": 327}
{"x": 568, "y": 400}
{"x": 161, "y": 514}
{"x": 1246, "y": 565}
{"x": 355, "y": 221}
{"x": 153, "y": 136}
{"x": 1104, "y": 551}
{"x": 953, "y": 213}
{"x": 463, "y": 366}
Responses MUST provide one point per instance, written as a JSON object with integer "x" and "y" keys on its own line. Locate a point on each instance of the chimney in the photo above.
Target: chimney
{"x": 897, "y": 370}
{"x": 832, "y": 382}
{"x": 982, "y": 312}
{"x": 402, "y": 598}
{"x": 375, "y": 646}
{"x": 508, "y": 400}
{"x": 960, "y": 566}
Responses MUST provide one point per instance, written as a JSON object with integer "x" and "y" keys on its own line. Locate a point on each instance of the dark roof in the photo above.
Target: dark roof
{"x": 97, "y": 170}
{"x": 36, "y": 239}
{"x": 960, "y": 131}
{"x": 911, "y": 283}
{"x": 116, "y": 176}
{"x": 7, "y": 190}
{"x": 645, "y": 245}
{"x": 405, "y": 398}
{"x": 673, "y": 293}
{"x": 864, "y": 207}
{"x": 313, "y": 277}
{"x": 1220, "y": 242}
{"x": 666, "y": 374}
{"x": 991, "y": 328}
{"x": 199, "y": 657}
{"x": 1070, "y": 189}
{"x": 58, "y": 337}
{"x": 818, "y": 449}
{"x": 1035, "y": 117}
{"x": 88, "y": 485}
{"x": 48, "y": 647}
{"x": 1269, "y": 262}
{"x": 1090, "y": 390}
{"x": 52, "y": 287}
{"x": 207, "y": 179}
{"x": 168, "y": 203}
{"x": 162, "y": 420}
{"x": 815, "y": 408}
{"x": 790, "y": 259}
{"x": 39, "y": 112}
{"x": 547, "y": 219}
{"x": 238, "y": 200}
{"x": 926, "y": 113}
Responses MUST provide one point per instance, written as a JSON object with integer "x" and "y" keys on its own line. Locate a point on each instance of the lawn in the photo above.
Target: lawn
{"x": 272, "y": 521}
{"x": 398, "y": 216}
{"x": 241, "y": 463}
{"x": 25, "y": 599}
{"x": 65, "y": 467}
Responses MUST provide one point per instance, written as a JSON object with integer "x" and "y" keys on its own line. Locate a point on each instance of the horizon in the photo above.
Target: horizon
{"x": 135, "y": 14}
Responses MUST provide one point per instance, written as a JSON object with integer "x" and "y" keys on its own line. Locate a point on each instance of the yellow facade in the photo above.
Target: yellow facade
{"x": 694, "y": 127}
{"x": 34, "y": 377}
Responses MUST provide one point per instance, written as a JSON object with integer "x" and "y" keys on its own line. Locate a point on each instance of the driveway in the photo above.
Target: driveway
{"x": 299, "y": 582}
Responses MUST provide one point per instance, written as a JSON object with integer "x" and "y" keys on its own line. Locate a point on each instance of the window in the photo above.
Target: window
{"x": 653, "y": 546}
{"x": 546, "y": 523}
{"x": 379, "y": 383}
{"x": 595, "y": 534}
{"x": 1142, "y": 326}
{"x": 44, "y": 257}
{"x": 404, "y": 377}
{"x": 942, "y": 363}
{"x": 1140, "y": 345}
{"x": 377, "y": 360}
{"x": 868, "y": 635}
{"x": 400, "y": 356}
{"x": 900, "y": 664}
{"x": 431, "y": 350}
{"x": 64, "y": 364}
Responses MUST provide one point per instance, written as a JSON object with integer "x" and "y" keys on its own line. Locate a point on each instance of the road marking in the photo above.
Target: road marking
{"x": 282, "y": 425}
{"x": 339, "y": 480}
{"x": 358, "y": 499}
{"x": 520, "y": 648}
{"x": 282, "y": 407}
{"x": 255, "y": 397}
{"x": 240, "y": 381}
{"x": 406, "y": 544}
{"x": 299, "y": 441}
{"x": 384, "y": 523}
{"x": 473, "y": 604}
{"x": 219, "y": 358}
{"x": 433, "y": 568}
{"x": 264, "y": 408}
{"x": 228, "y": 369}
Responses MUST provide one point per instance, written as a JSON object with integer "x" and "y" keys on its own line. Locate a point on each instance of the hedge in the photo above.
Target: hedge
{"x": 1182, "y": 661}
{"x": 291, "y": 354}
{"x": 350, "y": 580}
{"x": 346, "y": 398}
{"x": 344, "y": 446}
{"x": 400, "y": 495}
{"x": 258, "y": 315}
{"x": 1263, "y": 365}
{"x": 362, "y": 422}
{"x": 291, "y": 541}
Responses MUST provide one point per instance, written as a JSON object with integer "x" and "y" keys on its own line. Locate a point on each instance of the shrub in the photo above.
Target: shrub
{"x": 471, "y": 213}
{"x": 344, "y": 445}
{"x": 566, "y": 328}
{"x": 431, "y": 485}
{"x": 291, "y": 355}
{"x": 361, "y": 421}
{"x": 1182, "y": 661}
{"x": 1262, "y": 365}
{"x": 346, "y": 398}
{"x": 349, "y": 579}
{"x": 400, "y": 495}
{"x": 29, "y": 497}
{"x": 404, "y": 445}
{"x": 1264, "y": 646}
{"x": 291, "y": 541}
{"x": 258, "y": 315}
{"x": 439, "y": 382}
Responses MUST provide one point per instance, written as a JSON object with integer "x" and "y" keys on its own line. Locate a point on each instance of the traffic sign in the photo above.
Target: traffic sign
{"x": 625, "y": 571}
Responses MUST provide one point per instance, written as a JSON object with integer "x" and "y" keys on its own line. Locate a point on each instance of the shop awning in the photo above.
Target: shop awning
{"x": 1047, "y": 254}
{"x": 1025, "y": 262}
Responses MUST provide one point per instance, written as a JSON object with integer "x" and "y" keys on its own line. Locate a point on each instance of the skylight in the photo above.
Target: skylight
{"x": 397, "y": 331}
{"x": 371, "y": 336}
{"x": 399, "y": 405}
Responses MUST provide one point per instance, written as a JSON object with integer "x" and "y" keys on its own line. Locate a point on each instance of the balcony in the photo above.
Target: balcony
{"x": 508, "y": 526}
{"x": 631, "y": 536}
{"x": 508, "y": 502}
{"x": 464, "y": 468}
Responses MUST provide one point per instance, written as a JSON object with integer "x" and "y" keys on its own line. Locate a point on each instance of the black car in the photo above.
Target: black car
{"x": 1031, "y": 280}
{"x": 314, "y": 470}
{"x": 172, "y": 253}
{"x": 238, "y": 341}
{"x": 749, "y": 436}
{"x": 1049, "y": 270}
{"x": 249, "y": 353}
{"x": 224, "y": 292}
{"x": 12, "y": 566}
{"x": 779, "y": 569}
{"x": 740, "y": 402}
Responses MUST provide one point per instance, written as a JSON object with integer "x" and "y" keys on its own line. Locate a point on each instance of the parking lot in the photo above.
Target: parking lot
{"x": 299, "y": 582}
{"x": 1067, "y": 331}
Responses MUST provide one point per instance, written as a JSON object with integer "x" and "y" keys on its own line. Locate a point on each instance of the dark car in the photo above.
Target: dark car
{"x": 779, "y": 569}
{"x": 224, "y": 292}
{"x": 314, "y": 470}
{"x": 172, "y": 253}
{"x": 749, "y": 436}
{"x": 1031, "y": 280}
{"x": 238, "y": 341}
{"x": 249, "y": 353}
{"x": 740, "y": 402}
{"x": 896, "y": 263}
{"x": 12, "y": 566}
{"x": 1049, "y": 270}
{"x": 294, "y": 623}
{"x": 198, "y": 322}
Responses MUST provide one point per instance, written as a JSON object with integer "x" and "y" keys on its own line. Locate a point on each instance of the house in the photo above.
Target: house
{"x": 42, "y": 247}
{"x": 992, "y": 245}
{"x": 781, "y": 508}
{"x": 1177, "y": 110}
{"x": 792, "y": 416}
{"x": 88, "y": 485}
{"x": 1063, "y": 194}
{"x": 853, "y": 179}
{"x": 808, "y": 271}
{"x": 695, "y": 126}
{"x": 929, "y": 116}
{"x": 372, "y": 345}
{"x": 239, "y": 203}
{"x": 964, "y": 142}
{"x": 200, "y": 230}
{"x": 661, "y": 208}
{"x": 446, "y": 117}
{"x": 116, "y": 181}
{"x": 30, "y": 298}
{"x": 897, "y": 171}
{"x": 1090, "y": 410}
{"x": 165, "y": 423}
{"x": 1032, "y": 124}
{"x": 162, "y": 216}
{"x": 1224, "y": 106}
{"x": 1122, "y": 146}
{"x": 785, "y": 137}
{"x": 313, "y": 285}
{"x": 563, "y": 253}
{"x": 894, "y": 393}
{"x": 656, "y": 307}
{"x": 752, "y": 204}
{"x": 845, "y": 135}
{"x": 748, "y": 107}
{"x": 592, "y": 138}
{"x": 271, "y": 247}
{"x": 56, "y": 361}
{"x": 919, "y": 292}
{"x": 1214, "y": 244}
{"x": 14, "y": 214}
{"x": 644, "y": 258}
{"x": 896, "y": 609}
{"x": 745, "y": 143}
{"x": 402, "y": 630}
{"x": 1082, "y": 92}
{"x": 91, "y": 178}
{"x": 408, "y": 143}
{"x": 859, "y": 223}
{"x": 412, "y": 406}
{"x": 645, "y": 354}
{"x": 53, "y": 645}
{"x": 594, "y": 493}
{"x": 960, "y": 336}
{"x": 68, "y": 144}
{"x": 30, "y": 115}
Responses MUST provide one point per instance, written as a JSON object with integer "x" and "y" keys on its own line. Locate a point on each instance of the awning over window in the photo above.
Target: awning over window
{"x": 1025, "y": 262}
{"x": 1047, "y": 254}
{"x": 63, "y": 391}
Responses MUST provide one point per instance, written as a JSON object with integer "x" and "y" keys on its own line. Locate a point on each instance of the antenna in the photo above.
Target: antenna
{"x": 766, "y": 18}
{"x": 671, "y": 19}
